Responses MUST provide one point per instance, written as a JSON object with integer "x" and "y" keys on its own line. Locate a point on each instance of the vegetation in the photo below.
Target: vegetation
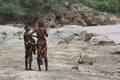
{"x": 24, "y": 10}
{"x": 111, "y": 6}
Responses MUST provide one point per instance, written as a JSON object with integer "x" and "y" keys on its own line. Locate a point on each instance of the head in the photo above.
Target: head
{"x": 27, "y": 28}
{"x": 40, "y": 24}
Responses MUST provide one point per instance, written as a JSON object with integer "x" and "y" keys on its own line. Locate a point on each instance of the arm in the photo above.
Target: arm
{"x": 33, "y": 36}
{"x": 46, "y": 34}
{"x": 33, "y": 31}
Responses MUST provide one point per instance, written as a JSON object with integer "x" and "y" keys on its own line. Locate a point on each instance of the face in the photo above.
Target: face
{"x": 27, "y": 28}
{"x": 40, "y": 24}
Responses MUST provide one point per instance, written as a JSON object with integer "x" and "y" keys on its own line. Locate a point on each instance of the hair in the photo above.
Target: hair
{"x": 26, "y": 26}
{"x": 40, "y": 21}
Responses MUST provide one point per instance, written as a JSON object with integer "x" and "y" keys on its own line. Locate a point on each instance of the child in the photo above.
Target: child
{"x": 29, "y": 43}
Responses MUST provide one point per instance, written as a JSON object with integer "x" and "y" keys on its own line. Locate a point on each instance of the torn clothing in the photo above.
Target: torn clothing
{"x": 41, "y": 49}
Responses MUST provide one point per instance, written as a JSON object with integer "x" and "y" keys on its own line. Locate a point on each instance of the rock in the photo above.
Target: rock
{"x": 2, "y": 38}
{"x": 116, "y": 52}
{"x": 64, "y": 21}
{"x": 81, "y": 60}
{"x": 118, "y": 60}
{"x": 83, "y": 35}
{"x": 106, "y": 42}
{"x": 94, "y": 34}
{"x": 101, "y": 39}
{"x": 78, "y": 14}
{"x": 91, "y": 63}
{"x": 89, "y": 21}
{"x": 19, "y": 33}
{"x": 5, "y": 30}
{"x": 86, "y": 59}
{"x": 71, "y": 33}
{"x": 75, "y": 68}
{"x": 4, "y": 33}
{"x": 16, "y": 25}
{"x": 67, "y": 40}
{"x": 118, "y": 71}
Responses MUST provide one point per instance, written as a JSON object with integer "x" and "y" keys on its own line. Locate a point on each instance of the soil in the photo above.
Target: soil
{"x": 63, "y": 63}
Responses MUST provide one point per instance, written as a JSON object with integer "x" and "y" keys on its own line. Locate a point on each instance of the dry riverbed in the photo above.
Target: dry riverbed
{"x": 63, "y": 63}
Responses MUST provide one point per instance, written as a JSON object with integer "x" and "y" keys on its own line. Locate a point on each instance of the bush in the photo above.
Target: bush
{"x": 111, "y": 6}
{"x": 10, "y": 10}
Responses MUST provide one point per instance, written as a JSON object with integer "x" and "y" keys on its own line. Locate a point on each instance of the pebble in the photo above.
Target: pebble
{"x": 118, "y": 71}
{"x": 118, "y": 60}
{"x": 75, "y": 68}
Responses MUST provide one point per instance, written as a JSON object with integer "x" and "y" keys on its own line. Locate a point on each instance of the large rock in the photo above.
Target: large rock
{"x": 101, "y": 39}
{"x": 72, "y": 33}
{"x": 10, "y": 30}
{"x": 86, "y": 59}
{"x": 9, "y": 34}
{"x": 66, "y": 34}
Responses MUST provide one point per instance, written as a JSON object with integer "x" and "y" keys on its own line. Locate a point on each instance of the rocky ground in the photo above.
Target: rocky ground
{"x": 78, "y": 14}
{"x": 100, "y": 61}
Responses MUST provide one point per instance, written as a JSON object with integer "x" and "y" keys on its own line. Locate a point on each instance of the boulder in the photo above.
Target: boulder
{"x": 66, "y": 34}
{"x": 68, "y": 30}
{"x": 10, "y": 30}
{"x": 101, "y": 39}
{"x": 82, "y": 35}
{"x": 86, "y": 59}
{"x": 7, "y": 33}
{"x": 72, "y": 33}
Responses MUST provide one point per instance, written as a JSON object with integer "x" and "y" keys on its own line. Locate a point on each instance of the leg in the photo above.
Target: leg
{"x": 33, "y": 49}
{"x": 38, "y": 61}
{"x": 26, "y": 61}
{"x": 41, "y": 61}
{"x": 30, "y": 60}
{"x": 46, "y": 60}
